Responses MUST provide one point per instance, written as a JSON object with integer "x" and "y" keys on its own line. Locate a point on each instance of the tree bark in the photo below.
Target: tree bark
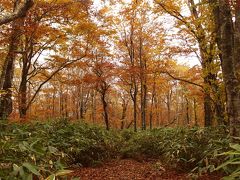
{"x": 105, "y": 110}
{"x": 8, "y": 70}
{"x": 26, "y": 64}
{"x": 143, "y": 82}
{"x": 152, "y": 103}
{"x": 229, "y": 45}
{"x": 124, "y": 110}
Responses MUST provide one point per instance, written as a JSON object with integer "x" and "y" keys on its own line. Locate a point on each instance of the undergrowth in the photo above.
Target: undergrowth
{"x": 47, "y": 149}
{"x": 42, "y": 149}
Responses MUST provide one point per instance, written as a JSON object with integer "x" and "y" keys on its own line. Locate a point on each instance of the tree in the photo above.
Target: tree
{"x": 199, "y": 26}
{"x": 8, "y": 66}
{"x": 138, "y": 49}
{"x": 35, "y": 42}
{"x": 227, "y": 27}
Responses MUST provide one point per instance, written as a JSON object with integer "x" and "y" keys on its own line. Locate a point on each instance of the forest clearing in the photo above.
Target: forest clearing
{"x": 147, "y": 89}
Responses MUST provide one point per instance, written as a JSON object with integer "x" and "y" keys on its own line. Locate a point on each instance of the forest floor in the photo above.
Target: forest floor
{"x": 129, "y": 169}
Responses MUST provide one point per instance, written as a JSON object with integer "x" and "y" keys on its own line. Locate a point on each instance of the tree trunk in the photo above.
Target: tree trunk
{"x": 124, "y": 110}
{"x": 152, "y": 103}
{"x": 8, "y": 70}
{"x": 104, "y": 103}
{"x": 143, "y": 81}
{"x": 195, "y": 112}
{"x": 81, "y": 103}
{"x": 26, "y": 63}
{"x": 168, "y": 102}
{"x": 93, "y": 108}
{"x": 135, "y": 111}
{"x": 229, "y": 45}
{"x": 208, "y": 110}
{"x": 187, "y": 112}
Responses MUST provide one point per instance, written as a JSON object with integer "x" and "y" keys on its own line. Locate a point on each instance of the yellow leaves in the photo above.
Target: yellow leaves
{"x": 55, "y": 1}
{"x": 83, "y": 27}
{"x": 173, "y": 5}
{"x": 104, "y": 10}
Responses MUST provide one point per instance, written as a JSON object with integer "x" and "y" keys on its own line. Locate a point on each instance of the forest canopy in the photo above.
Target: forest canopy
{"x": 111, "y": 62}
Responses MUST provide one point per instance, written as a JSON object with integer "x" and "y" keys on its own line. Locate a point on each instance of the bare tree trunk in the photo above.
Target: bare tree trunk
{"x": 228, "y": 40}
{"x": 187, "y": 111}
{"x": 143, "y": 81}
{"x": 135, "y": 110}
{"x": 158, "y": 112}
{"x": 152, "y": 103}
{"x": 124, "y": 110}
{"x": 26, "y": 64}
{"x": 208, "y": 110}
{"x": 168, "y": 103}
{"x": 81, "y": 103}
{"x": 53, "y": 103}
{"x": 8, "y": 69}
{"x": 105, "y": 110}
{"x": 93, "y": 104}
{"x": 195, "y": 112}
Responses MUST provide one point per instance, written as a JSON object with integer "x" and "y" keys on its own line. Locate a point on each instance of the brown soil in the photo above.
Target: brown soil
{"x": 128, "y": 169}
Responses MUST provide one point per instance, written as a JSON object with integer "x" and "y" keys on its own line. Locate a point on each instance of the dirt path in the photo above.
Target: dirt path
{"x": 128, "y": 169}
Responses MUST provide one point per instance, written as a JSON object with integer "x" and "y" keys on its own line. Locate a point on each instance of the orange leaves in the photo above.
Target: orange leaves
{"x": 58, "y": 59}
{"x": 90, "y": 79}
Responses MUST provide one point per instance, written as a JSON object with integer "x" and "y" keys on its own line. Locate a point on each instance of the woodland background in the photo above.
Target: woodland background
{"x": 118, "y": 64}
{"x": 112, "y": 62}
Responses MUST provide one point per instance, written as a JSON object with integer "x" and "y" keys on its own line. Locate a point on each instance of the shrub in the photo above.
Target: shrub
{"x": 231, "y": 162}
{"x": 41, "y": 149}
{"x": 179, "y": 147}
{"x": 44, "y": 149}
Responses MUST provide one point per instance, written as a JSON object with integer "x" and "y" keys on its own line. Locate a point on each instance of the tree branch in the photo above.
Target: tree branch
{"x": 20, "y": 11}
{"x": 181, "y": 79}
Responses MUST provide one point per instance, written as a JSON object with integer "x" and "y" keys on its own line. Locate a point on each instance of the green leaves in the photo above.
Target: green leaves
{"x": 31, "y": 168}
{"x": 45, "y": 149}
{"x": 50, "y": 147}
{"x": 232, "y": 165}
{"x": 235, "y": 147}
{"x": 25, "y": 171}
{"x": 58, "y": 174}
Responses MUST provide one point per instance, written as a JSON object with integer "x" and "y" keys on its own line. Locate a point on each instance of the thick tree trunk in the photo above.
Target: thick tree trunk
{"x": 23, "y": 99}
{"x": 208, "y": 112}
{"x": 8, "y": 70}
{"x": 23, "y": 106}
{"x": 229, "y": 44}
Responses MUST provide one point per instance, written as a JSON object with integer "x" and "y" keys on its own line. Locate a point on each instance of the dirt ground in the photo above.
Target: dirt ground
{"x": 129, "y": 169}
